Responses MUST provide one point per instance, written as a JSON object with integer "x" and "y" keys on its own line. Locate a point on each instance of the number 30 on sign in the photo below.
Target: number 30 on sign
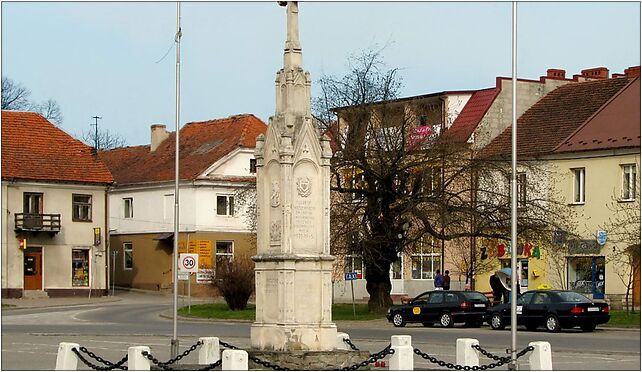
{"x": 188, "y": 262}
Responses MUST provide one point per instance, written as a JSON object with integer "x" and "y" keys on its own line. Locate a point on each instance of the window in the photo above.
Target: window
{"x": 224, "y": 255}
{"x": 579, "y": 180}
{"x": 353, "y": 263}
{"x": 521, "y": 189}
{"x": 128, "y": 207}
{"x": 426, "y": 259}
{"x": 628, "y": 182}
{"x": 128, "y": 256}
{"x": 81, "y": 207}
{"x": 80, "y": 268}
{"x": 354, "y": 179}
{"x": 225, "y": 205}
{"x": 252, "y": 165}
{"x": 433, "y": 180}
{"x": 32, "y": 203}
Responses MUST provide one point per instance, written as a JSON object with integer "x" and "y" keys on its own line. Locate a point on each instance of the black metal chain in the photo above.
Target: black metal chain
{"x": 95, "y": 366}
{"x": 372, "y": 359}
{"x": 264, "y": 363}
{"x": 149, "y": 356}
{"x": 211, "y": 366}
{"x": 347, "y": 341}
{"x": 499, "y": 360}
{"x": 104, "y": 361}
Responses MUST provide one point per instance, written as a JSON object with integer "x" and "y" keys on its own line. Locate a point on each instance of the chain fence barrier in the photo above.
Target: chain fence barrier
{"x": 108, "y": 366}
{"x": 499, "y": 361}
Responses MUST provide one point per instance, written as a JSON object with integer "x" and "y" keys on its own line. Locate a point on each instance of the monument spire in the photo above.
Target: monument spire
{"x": 292, "y": 53}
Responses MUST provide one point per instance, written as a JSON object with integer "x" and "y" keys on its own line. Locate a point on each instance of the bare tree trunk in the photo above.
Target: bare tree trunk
{"x": 378, "y": 286}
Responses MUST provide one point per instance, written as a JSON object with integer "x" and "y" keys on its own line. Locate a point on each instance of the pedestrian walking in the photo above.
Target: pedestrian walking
{"x": 446, "y": 280}
{"x": 498, "y": 289}
{"x": 439, "y": 280}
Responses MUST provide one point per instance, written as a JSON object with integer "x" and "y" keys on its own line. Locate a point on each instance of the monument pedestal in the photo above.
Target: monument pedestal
{"x": 308, "y": 360}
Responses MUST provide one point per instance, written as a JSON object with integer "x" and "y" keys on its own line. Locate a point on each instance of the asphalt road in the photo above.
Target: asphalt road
{"x": 30, "y": 336}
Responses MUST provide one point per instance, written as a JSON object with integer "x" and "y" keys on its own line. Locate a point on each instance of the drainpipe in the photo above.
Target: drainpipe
{"x": 444, "y": 113}
{"x": 107, "y": 249}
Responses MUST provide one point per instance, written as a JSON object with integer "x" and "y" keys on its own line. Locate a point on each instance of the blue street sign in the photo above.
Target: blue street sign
{"x": 601, "y": 237}
{"x": 351, "y": 276}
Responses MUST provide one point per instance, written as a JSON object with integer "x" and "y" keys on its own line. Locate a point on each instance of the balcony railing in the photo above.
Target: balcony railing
{"x": 37, "y": 222}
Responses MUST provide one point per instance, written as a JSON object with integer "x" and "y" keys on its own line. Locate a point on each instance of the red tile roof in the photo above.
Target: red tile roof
{"x": 553, "y": 118}
{"x": 35, "y": 149}
{"x": 202, "y": 144}
{"x": 615, "y": 125}
{"x": 475, "y": 109}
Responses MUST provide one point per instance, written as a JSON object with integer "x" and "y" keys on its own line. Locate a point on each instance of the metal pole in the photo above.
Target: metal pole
{"x": 113, "y": 273}
{"x": 174, "y": 342}
{"x": 513, "y": 239}
{"x": 354, "y": 311}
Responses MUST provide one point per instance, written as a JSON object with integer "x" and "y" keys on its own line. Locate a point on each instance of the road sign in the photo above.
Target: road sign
{"x": 351, "y": 276}
{"x": 183, "y": 275}
{"x": 188, "y": 262}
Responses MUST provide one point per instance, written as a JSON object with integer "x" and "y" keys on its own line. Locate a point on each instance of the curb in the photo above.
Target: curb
{"x": 168, "y": 315}
{"x": 44, "y": 306}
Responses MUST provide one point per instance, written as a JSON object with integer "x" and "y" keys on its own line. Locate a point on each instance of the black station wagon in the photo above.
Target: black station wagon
{"x": 552, "y": 309}
{"x": 443, "y": 307}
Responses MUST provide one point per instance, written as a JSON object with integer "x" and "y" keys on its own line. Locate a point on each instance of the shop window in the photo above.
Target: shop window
{"x": 81, "y": 207}
{"x": 128, "y": 207}
{"x": 225, "y": 205}
{"x": 128, "y": 256}
{"x": 426, "y": 259}
{"x": 579, "y": 181}
{"x": 80, "y": 267}
{"x": 628, "y": 182}
{"x": 224, "y": 255}
{"x": 587, "y": 275}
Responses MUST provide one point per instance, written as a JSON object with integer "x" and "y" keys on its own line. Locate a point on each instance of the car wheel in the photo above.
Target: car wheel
{"x": 552, "y": 323}
{"x": 588, "y": 327}
{"x": 446, "y": 320}
{"x": 427, "y": 324}
{"x": 496, "y": 321}
{"x": 398, "y": 320}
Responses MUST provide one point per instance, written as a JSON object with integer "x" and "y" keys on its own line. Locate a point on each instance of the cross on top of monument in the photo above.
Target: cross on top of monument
{"x": 292, "y": 55}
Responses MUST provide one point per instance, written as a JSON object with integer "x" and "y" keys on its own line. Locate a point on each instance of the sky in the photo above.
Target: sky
{"x": 106, "y": 58}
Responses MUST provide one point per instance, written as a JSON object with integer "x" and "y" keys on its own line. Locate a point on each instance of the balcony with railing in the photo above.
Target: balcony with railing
{"x": 37, "y": 222}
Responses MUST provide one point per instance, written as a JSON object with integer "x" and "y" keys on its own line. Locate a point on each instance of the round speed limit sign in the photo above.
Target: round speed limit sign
{"x": 188, "y": 262}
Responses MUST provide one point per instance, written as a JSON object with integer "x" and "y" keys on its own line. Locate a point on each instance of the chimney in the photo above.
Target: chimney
{"x": 596, "y": 73}
{"x": 632, "y": 71}
{"x": 556, "y": 73}
{"x": 159, "y": 134}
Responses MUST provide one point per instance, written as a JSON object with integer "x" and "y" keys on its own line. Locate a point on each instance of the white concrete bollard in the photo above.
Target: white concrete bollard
{"x": 210, "y": 351}
{"x": 234, "y": 360}
{"x": 67, "y": 359}
{"x": 540, "y": 358}
{"x": 342, "y": 345}
{"x": 466, "y": 355}
{"x": 403, "y": 358}
{"x": 135, "y": 359}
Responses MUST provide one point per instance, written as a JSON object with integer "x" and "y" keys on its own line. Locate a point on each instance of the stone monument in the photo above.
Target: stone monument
{"x": 293, "y": 271}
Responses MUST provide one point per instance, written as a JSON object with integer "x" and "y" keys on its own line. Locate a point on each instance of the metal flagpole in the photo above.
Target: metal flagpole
{"x": 513, "y": 239}
{"x": 177, "y": 39}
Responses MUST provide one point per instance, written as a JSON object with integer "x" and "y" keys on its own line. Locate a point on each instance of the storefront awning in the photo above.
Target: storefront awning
{"x": 164, "y": 236}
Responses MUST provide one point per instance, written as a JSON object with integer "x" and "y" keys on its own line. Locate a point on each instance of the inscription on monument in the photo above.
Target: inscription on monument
{"x": 303, "y": 213}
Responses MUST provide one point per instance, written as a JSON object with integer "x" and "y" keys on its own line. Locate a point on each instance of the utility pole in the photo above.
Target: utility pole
{"x": 96, "y": 141}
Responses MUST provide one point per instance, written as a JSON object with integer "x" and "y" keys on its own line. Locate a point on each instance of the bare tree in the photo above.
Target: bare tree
{"x": 397, "y": 186}
{"x": 14, "y": 96}
{"x": 103, "y": 140}
{"x": 624, "y": 228}
{"x": 50, "y": 110}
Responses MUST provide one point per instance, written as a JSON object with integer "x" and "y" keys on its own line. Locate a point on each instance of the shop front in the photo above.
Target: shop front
{"x": 586, "y": 275}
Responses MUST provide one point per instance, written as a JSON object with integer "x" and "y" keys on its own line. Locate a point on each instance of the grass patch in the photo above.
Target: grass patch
{"x": 222, "y": 311}
{"x": 619, "y": 318}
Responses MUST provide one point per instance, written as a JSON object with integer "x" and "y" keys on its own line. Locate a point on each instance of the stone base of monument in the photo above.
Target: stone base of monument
{"x": 308, "y": 360}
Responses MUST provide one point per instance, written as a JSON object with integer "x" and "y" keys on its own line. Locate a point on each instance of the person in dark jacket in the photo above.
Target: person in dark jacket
{"x": 446, "y": 280}
{"x": 498, "y": 289}
{"x": 439, "y": 280}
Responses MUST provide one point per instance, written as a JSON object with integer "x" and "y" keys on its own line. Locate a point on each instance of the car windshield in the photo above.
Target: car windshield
{"x": 572, "y": 297}
{"x": 474, "y": 296}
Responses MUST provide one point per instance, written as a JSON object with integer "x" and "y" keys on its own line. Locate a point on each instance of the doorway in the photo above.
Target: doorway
{"x": 33, "y": 269}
